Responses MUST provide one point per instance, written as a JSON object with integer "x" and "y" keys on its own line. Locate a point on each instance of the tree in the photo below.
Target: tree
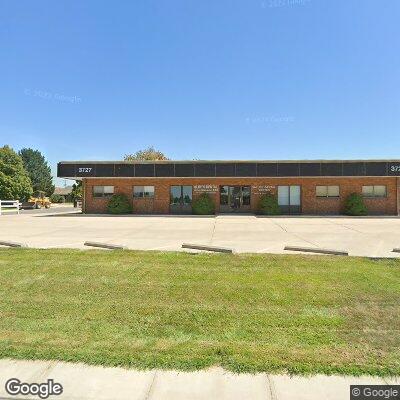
{"x": 14, "y": 180}
{"x": 76, "y": 192}
{"x": 149, "y": 154}
{"x": 38, "y": 170}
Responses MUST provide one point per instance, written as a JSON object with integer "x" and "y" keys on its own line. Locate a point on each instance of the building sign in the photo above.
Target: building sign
{"x": 263, "y": 189}
{"x": 394, "y": 169}
{"x": 205, "y": 188}
{"x": 85, "y": 170}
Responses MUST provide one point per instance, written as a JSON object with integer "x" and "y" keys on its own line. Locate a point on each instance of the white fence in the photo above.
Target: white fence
{"x": 9, "y": 204}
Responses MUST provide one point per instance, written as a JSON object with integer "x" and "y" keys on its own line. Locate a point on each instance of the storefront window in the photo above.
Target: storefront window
{"x": 181, "y": 199}
{"x": 143, "y": 191}
{"x": 374, "y": 191}
{"x": 187, "y": 195}
{"x": 103, "y": 191}
{"x": 175, "y": 196}
{"x": 327, "y": 191}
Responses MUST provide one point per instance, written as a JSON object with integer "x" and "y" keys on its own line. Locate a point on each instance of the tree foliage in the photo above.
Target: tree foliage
{"x": 38, "y": 170}
{"x": 14, "y": 180}
{"x": 57, "y": 198}
{"x": 76, "y": 192}
{"x": 149, "y": 154}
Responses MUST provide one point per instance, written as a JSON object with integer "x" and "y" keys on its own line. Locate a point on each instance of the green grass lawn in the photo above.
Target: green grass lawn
{"x": 300, "y": 314}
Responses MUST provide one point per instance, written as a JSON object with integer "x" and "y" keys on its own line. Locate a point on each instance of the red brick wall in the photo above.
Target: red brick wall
{"x": 310, "y": 203}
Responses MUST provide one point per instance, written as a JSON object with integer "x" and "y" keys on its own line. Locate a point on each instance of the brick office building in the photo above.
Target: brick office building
{"x": 302, "y": 187}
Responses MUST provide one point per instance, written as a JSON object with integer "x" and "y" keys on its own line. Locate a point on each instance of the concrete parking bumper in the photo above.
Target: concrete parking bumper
{"x": 7, "y": 243}
{"x": 105, "y": 245}
{"x": 207, "y": 248}
{"x": 317, "y": 250}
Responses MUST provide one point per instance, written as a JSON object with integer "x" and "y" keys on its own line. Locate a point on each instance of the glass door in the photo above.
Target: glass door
{"x": 181, "y": 199}
{"x": 234, "y": 198}
{"x": 283, "y": 199}
{"x": 289, "y": 199}
{"x": 295, "y": 199}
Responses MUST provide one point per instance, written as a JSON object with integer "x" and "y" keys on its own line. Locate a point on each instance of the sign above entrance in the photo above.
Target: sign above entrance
{"x": 205, "y": 188}
{"x": 264, "y": 189}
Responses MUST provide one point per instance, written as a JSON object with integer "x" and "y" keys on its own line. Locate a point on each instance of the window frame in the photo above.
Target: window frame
{"x": 143, "y": 192}
{"x": 373, "y": 195}
{"x": 327, "y": 196}
{"x": 102, "y": 194}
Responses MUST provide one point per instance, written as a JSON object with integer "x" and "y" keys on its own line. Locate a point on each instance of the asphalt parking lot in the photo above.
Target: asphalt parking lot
{"x": 51, "y": 210}
{"x": 373, "y": 237}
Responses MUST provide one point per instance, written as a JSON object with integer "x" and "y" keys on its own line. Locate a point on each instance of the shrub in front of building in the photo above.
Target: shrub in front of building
{"x": 119, "y": 204}
{"x": 203, "y": 205}
{"x": 268, "y": 205}
{"x": 354, "y": 205}
{"x": 57, "y": 198}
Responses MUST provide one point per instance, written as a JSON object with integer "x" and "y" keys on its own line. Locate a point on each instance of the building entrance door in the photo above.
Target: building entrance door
{"x": 234, "y": 198}
{"x": 289, "y": 199}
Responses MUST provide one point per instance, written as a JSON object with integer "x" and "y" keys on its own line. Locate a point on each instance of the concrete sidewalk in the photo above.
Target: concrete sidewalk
{"x": 97, "y": 383}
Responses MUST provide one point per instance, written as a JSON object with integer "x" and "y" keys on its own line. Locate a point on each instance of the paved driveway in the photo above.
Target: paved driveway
{"x": 375, "y": 237}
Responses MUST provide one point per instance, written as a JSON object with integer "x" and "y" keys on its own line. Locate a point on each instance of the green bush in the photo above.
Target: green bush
{"x": 203, "y": 205}
{"x": 268, "y": 205}
{"x": 354, "y": 205}
{"x": 57, "y": 198}
{"x": 119, "y": 204}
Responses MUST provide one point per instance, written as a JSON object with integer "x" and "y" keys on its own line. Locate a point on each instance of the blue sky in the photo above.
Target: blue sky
{"x": 244, "y": 79}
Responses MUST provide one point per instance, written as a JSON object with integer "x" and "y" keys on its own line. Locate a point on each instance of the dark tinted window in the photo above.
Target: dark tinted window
{"x": 164, "y": 169}
{"x": 225, "y": 169}
{"x": 288, "y": 169}
{"x": 67, "y": 170}
{"x": 353, "y": 169}
{"x": 144, "y": 170}
{"x": 104, "y": 169}
{"x": 184, "y": 170}
{"x": 310, "y": 169}
{"x": 204, "y": 169}
{"x": 267, "y": 169}
{"x": 375, "y": 169}
{"x": 246, "y": 169}
{"x": 124, "y": 170}
{"x": 331, "y": 169}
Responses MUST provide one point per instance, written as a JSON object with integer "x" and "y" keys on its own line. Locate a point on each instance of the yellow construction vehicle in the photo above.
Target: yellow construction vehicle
{"x": 38, "y": 200}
